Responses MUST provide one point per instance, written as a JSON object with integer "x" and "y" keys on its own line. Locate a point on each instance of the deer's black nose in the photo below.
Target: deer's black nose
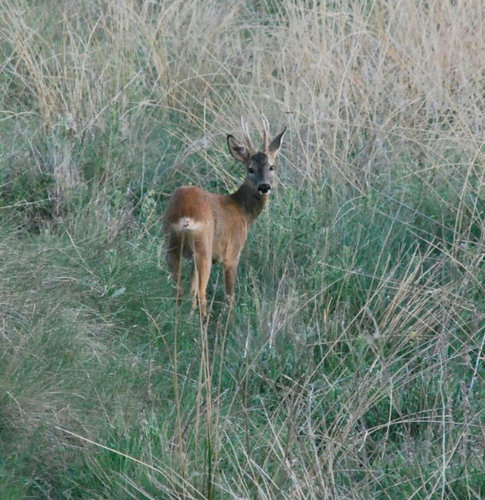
{"x": 264, "y": 188}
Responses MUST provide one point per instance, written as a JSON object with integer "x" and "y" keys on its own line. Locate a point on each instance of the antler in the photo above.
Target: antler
{"x": 265, "y": 133}
{"x": 245, "y": 130}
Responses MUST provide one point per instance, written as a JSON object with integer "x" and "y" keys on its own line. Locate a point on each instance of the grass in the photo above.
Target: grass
{"x": 352, "y": 367}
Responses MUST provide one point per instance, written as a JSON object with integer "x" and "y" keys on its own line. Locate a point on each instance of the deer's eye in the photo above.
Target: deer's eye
{"x": 271, "y": 167}
{"x": 251, "y": 170}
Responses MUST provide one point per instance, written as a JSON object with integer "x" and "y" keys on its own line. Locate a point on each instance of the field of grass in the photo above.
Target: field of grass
{"x": 353, "y": 363}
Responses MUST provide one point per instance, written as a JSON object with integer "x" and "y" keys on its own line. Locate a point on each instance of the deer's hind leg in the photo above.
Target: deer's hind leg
{"x": 194, "y": 285}
{"x": 174, "y": 261}
{"x": 203, "y": 264}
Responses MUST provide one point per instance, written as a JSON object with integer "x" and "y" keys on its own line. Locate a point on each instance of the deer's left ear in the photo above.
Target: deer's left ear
{"x": 275, "y": 145}
{"x": 237, "y": 150}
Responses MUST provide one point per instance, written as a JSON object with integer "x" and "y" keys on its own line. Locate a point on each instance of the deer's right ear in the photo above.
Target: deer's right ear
{"x": 237, "y": 150}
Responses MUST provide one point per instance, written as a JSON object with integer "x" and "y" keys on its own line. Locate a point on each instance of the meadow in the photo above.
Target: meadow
{"x": 352, "y": 366}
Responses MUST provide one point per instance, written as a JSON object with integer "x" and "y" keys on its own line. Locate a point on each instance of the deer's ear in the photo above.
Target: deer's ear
{"x": 237, "y": 150}
{"x": 275, "y": 145}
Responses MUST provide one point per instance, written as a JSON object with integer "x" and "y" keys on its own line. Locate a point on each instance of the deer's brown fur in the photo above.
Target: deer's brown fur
{"x": 213, "y": 227}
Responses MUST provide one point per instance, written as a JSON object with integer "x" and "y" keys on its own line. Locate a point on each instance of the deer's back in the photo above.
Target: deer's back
{"x": 200, "y": 214}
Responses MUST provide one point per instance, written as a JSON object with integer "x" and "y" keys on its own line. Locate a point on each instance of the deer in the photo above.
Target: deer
{"x": 209, "y": 227}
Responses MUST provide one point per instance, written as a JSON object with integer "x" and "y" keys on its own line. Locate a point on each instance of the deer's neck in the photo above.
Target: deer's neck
{"x": 249, "y": 200}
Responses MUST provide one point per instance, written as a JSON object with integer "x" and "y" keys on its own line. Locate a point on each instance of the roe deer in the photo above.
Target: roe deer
{"x": 213, "y": 227}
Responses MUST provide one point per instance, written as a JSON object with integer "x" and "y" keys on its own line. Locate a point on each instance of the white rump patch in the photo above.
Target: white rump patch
{"x": 187, "y": 224}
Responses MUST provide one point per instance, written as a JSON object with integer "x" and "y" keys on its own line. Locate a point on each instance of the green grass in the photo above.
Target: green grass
{"x": 352, "y": 367}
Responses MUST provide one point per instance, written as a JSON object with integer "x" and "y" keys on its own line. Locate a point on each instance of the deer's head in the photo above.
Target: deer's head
{"x": 260, "y": 165}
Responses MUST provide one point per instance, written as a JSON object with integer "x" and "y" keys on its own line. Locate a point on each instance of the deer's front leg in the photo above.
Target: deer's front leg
{"x": 230, "y": 271}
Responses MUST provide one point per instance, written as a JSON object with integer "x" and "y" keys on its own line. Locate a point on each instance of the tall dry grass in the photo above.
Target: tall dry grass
{"x": 363, "y": 86}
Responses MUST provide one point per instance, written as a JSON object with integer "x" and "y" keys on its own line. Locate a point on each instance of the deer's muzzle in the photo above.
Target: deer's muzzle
{"x": 264, "y": 189}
